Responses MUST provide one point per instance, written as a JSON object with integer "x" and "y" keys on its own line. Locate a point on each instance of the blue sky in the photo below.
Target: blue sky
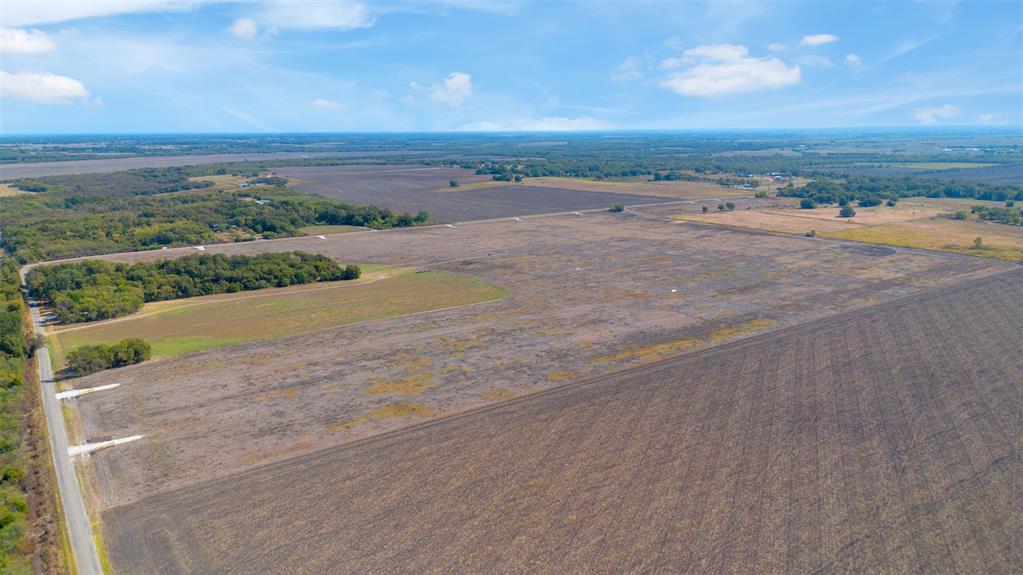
{"x": 262, "y": 66}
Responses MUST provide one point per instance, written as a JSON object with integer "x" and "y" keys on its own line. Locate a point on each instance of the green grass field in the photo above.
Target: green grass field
{"x": 188, "y": 325}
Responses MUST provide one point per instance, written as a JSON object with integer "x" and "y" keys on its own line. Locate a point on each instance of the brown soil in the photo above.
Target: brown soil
{"x": 880, "y": 440}
{"x": 588, "y": 294}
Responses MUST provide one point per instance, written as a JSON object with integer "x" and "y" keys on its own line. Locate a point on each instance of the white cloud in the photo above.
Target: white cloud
{"x": 932, "y": 115}
{"x": 307, "y": 15}
{"x": 30, "y": 12}
{"x": 818, "y": 39}
{"x": 325, "y": 104}
{"x": 814, "y": 61}
{"x": 854, "y": 60}
{"x": 24, "y": 41}
{"x": 990, "y": 119}
{"x": 723, "y": 69}
{"x": 547, "y": 124}
{"x": 453, "y": 91}
{"x": 44, "y": 88}
{"x": 627, "y": 71}
{"x": 244, "y": 29}
{"x": 777, "y": 47}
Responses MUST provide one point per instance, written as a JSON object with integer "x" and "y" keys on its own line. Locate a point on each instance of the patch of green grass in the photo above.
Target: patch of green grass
{"x": 184, "y": 326}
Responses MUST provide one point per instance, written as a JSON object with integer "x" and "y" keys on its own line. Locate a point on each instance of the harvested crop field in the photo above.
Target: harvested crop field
{"x": 847, "y": 444}
{"x": 587, "y": 295}
{"x": 193, "y": 324}
{"x": 675, "y": 190}
{"x": 915, "y": 223}
{"x": 410, "y": 188}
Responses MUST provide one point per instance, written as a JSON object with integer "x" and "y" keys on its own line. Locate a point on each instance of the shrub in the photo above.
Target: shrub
{"x": 729, "y": 206}
{"x": 811, "y": 234}
{"x": 452, "y": 184}
{"x": 847, "y": 212}
{"x": 89, "y": 359}
{"x": 807, "y": 204}
{"x": 704, "y": 209}
{"x": 978, "y": 243}
{"x": 891, "y": 202}
{"x": 617, "y": 208}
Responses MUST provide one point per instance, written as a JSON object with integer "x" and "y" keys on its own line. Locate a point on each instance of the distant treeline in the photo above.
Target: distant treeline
{"x": 91, "y": 290}
{"x": 871, "y": 190}
{"x": 63, "y": 224}
{"x": 92, "y": 358}
{"x": 128, "y": 183}
{"x": 13, "y": 351}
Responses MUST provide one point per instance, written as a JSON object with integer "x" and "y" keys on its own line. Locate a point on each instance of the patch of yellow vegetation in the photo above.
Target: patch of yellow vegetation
{"x": 477, "y": 186}
{"x": 497, "y": 394}
{"x": 9, "y": 190}
{"x": 401, "y": 409}
{"x": 560, "y": 376}
{"x": 649, "y": 353}
{"x": 731, "y": 331}
{"x": 346, "y": 425}
{"x": 1001, "y": 242}
{"x": 411, "y": 385}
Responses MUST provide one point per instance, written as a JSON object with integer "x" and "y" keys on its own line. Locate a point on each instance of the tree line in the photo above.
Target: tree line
{"x": 92, "y": 290}
{"x": 872, "y": 190}
{"x": 15, "y": 348}
{"x": 63, "y": 224}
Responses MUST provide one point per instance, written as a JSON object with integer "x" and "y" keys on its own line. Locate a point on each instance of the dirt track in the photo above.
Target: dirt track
{"x": 883, "y": 440}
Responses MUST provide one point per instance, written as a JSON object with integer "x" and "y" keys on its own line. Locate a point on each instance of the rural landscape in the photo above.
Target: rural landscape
{"x": 432, "y": 338}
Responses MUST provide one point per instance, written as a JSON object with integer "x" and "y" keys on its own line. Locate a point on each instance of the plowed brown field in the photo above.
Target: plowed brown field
{"x": 885, "y": 439}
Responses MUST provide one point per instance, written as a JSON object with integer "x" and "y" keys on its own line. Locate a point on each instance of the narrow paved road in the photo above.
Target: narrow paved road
{"x": 80, "y": 531}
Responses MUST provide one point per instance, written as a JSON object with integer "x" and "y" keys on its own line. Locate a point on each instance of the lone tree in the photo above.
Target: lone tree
{"x": 453, "y": 184}
{"x": 847, "y": 212}
{"x": 978, "y": 243}
{"x": 807, "y": 204}
{"x": 704, "y": 209}
{"x": 729, "y": 206}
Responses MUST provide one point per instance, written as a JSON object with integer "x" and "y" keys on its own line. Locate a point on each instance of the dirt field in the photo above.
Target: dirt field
{"x": 911, "y": 223}
{"x": 588, "y": 294}
{"x": 194, "y": 324}
{"x": 39, "y": 169}
{"x": 674, "y": 190}
{"x": 413, "y": 188}
{"x": 884, "y": 440}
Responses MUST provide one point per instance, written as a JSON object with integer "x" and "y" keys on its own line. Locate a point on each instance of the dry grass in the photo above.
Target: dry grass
{"x": 940, "y": 234}
{"x": 410, "y": 385}
{"x": 9, "y": 190}
{"x": 915, "y": 223}
{"x": 471, "y": 186}
{"x": 401, "y": 409}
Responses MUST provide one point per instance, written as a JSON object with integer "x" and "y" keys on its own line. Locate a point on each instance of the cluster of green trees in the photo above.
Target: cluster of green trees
{"x": 92, "y": 358}
{"x": 13, "y": 350}
{"x": 91, "y": 290}
{"x": 1011, "y": 216}
{"x": 128, "y": 183}
{"x": 56, "y": 225}
{"x": 872, "y": 190}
